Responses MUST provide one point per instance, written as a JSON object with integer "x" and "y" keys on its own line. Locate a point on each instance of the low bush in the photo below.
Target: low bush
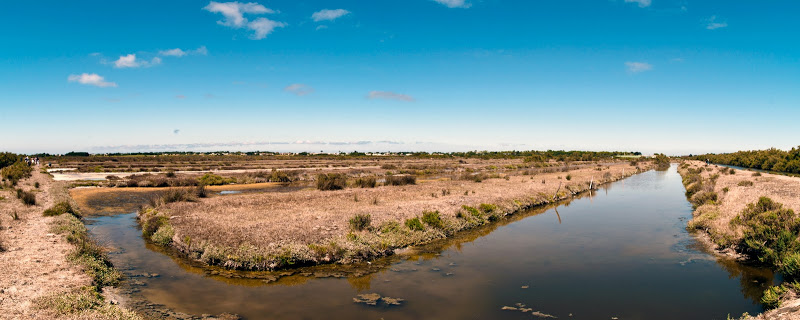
{"x": 27, "y": 197}
{"x": 210, "y": 179}
{"x": 366, "y": 182}
{"x": 279, "y": 176}
{"x": 61, "y": 208}
{"x": 745, "y": 183}
{"x": 16, "y": 172}
{"x": 360, "y": 222}
{"x": 569, "y": 177}
{"x": 414, "y": 224}
{"x": 772, "y": 296}
{"x": 770, "y": 230}
{"x": 400, "y": 180}
{"x": 433, "y": 219}
{"x": 790, "y": 266}
{"x": 331, "y": 181}
{"x": 177, "y": 195}
{"x": 756, "y": 174}
{"x": 703, "y": 197}
{"x": 201, "y": 191}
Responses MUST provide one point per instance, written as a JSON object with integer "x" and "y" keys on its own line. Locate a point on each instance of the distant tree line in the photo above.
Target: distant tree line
{"x": 770, "y": 159}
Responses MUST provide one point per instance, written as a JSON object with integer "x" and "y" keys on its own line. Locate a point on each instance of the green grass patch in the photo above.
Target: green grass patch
{"x": 360, "y": 222}
{"x": 414, "y": 224}
{"x": 61, "y": 208}
{"x": 433, "y": 219}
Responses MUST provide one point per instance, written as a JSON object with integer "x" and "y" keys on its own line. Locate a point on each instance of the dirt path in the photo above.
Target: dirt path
{"x": 34, "y": 263}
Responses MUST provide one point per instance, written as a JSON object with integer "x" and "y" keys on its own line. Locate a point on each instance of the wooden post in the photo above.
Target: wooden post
{"x": 590, "y": 183}
{"x": 556, "y": 194}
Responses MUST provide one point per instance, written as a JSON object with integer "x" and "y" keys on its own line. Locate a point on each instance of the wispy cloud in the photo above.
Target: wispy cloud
{"x": 262, "y": 27}
{"x": 91, "y": 79}
{"x": 390, "y": 96}
{"x": 299, "y": 89}
{"x": 178, "y": 52}
{"x": 320, "y": 27}
{"x": 176, "y": 131}
{"x": 329, "y": 15}
{"x": 641, "y": 3}
{"x": 713, "y": 24}
{"x": 454, "y": 3}
{"x": 233, "y": 13}
{"x": 130, "y": 61}
{"x": 637, "y": 67}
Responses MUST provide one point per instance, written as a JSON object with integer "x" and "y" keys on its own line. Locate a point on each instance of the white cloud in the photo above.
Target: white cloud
{"x": 262, "y": 27}
{"x": 642, "y": 3}
{"x": 320, "y": 27}
{"x": 130, "y": 61}
{"x": 234, "y": 17}
{"x": 299, "y": 89}
{"x": 329, "y": 15}
{"x": 713, "y": 24}
{"x": 91, "y": 79}
{"x": 178, "y": 52}
{"x": 454, "y": 3}
{"x": 389, "y": 95}
{"x": 234, "y": 11}
{"x": 636, "y": 67}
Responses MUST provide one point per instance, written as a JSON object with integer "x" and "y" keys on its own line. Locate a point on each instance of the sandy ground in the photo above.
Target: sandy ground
{"x": 313, "y": 216}
{"x": 35, "y": 263}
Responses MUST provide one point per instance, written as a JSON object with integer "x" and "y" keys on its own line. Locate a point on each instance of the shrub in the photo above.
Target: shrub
{"x": 433, "y": 219}
{"x": 726, "y": 189}
{"x": 745, "y": 183}
{"x": 772, "y": 297}
{"x": 703, "y": 197}
{"x": 61, "y": 208}
{"x": 36, "y": 185}
{"x": 177, "y": 195}
{"x": 756, "y": 174}
{"x": 214, "y": 180}
{"x": 414, "y": 224}
{"x": 163, "y": 236}
{"x": 391, "y": 226}
{"x": 366, "y": 182}
{"x": 790, "y": 266}
{"x": 471, "y": 211}
{"x": 400, "y": 180}
{"x": 487, "y": 208}
{"x": 27, "y": 197}
{"x": 360, "y": 222}
{"x": 569, "y": 177}
{"x": 201, "y": 191}
{"x": 331, "y": 181}
{"x": 16, "y": 172}
{"x": 279, "y": 176}
{"x": 732, "y": 171}
{"x": 770, "y": 231}
{"x": 7, "y": 159}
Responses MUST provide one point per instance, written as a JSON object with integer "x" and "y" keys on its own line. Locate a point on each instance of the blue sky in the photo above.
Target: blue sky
{"x": 675, "y": 76}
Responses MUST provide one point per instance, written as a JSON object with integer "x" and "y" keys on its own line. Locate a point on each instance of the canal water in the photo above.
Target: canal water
{"x": 621, "y": 252}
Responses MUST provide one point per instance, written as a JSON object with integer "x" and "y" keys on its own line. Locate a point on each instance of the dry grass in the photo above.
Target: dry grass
{"x": 781, "y": 189}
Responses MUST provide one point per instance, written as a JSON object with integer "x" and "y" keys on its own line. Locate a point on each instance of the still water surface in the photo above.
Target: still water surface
{"x": 622, "y": 252}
